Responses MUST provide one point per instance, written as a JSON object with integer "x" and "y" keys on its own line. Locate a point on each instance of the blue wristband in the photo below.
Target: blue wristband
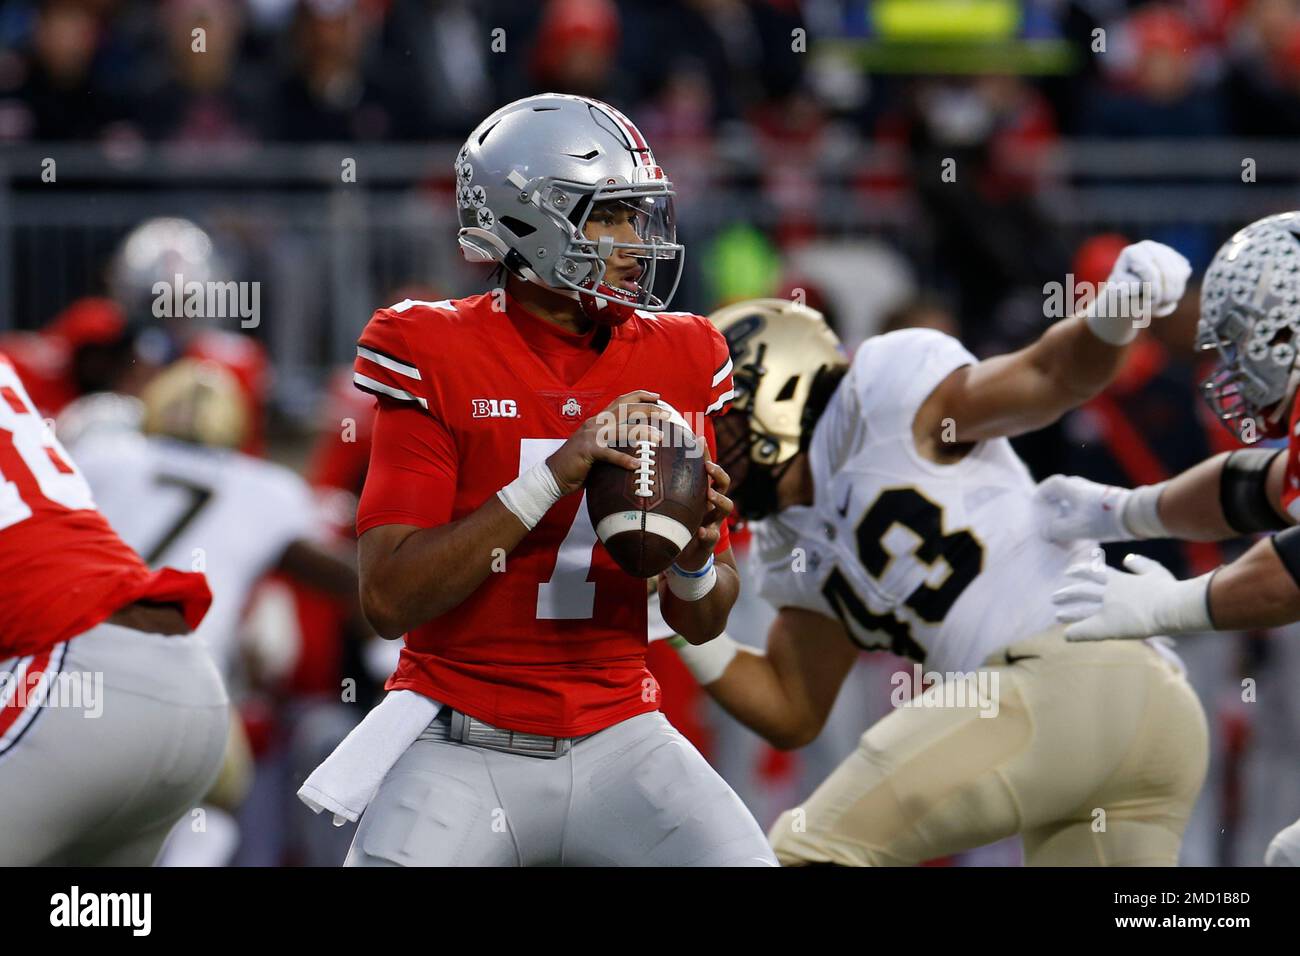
{"x": 708, "y": 566}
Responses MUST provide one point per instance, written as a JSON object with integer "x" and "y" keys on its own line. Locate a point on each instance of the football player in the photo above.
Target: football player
{"x": 1250, "y": 316}
{"x": 896, "y": 516}
{"x": 167, "y": 250}
{"x": 113, "y": 718}
{"x": 474, "y": 537}
{"x": 213, "y": 508}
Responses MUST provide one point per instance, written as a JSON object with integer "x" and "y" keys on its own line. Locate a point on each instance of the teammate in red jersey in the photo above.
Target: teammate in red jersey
{"x": 112, "y": 719}
{"x": 475, "y": 542}
{"x": 1250, "y": 317}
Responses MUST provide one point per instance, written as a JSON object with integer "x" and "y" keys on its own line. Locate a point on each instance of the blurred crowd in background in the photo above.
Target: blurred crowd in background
{"x": 385, "y": 70}
{"x": 807, "y": 141}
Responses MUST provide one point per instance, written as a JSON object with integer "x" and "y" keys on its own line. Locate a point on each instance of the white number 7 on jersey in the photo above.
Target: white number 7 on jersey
{"x": 568, "y": 595}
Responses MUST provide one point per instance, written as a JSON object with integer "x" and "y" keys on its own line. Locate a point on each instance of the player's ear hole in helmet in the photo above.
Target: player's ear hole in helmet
{"x": 786, "y": 365}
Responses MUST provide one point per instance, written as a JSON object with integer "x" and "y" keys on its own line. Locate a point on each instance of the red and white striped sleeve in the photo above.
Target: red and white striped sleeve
{"x": 721, "y": 389}
{"x": 386, "y": 365}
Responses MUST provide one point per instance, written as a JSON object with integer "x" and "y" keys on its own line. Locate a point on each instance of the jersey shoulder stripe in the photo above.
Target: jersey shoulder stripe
{"x": 721, "y": 373}
{"x": 717, "y": 404}
{"x": 446, "y": 305}
{"x": 367, "y": 384}
{"x": 388, "y": 362}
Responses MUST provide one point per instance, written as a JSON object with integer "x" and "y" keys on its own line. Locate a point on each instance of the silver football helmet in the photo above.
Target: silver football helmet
{"x": 158, "y": 250}
{"x": 528, "y": 178}
{"x": 1250, "y": 314}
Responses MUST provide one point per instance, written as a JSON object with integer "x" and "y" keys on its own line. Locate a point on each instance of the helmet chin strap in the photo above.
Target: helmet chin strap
{"x": 603, "y": 311}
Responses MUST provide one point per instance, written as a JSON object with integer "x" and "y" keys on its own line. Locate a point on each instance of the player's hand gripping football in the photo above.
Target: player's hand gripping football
{"x": 696, "y": 554}
{"x": 632, "y": 415}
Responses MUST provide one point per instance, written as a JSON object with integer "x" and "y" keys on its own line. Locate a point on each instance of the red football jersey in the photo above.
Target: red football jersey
{"x": 555, "y": 643}
{"x": 62, "y": 568}
{"x": 1291, "y": 481}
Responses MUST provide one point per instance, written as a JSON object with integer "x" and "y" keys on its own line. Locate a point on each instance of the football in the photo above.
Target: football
{"x": 645, "y": 517}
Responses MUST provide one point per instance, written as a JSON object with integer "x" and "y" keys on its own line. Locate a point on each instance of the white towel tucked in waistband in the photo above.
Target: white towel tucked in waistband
{"x": 348, "y": 779}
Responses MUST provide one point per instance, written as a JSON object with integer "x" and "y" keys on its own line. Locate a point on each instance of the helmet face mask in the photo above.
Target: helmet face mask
{"x": 748, "y": 456}
{"x": 652, "y": 218}
{"x": 781, "y": 354}
{"x": 1250, "y": 316}
{"x": 530, "y": 178}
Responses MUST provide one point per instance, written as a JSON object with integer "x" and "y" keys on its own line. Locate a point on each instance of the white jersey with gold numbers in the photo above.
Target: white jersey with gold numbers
{"x": 940, "y": 563}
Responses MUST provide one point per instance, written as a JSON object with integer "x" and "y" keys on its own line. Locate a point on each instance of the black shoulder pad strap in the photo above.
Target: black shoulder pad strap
{"x": 1243, "y": 491}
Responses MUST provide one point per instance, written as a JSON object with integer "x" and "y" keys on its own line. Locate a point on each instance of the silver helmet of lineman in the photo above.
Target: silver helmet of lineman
{"x": 157, "y": 251}
{"x": 1250, "y": 315}
{"x": 527, "y": 179}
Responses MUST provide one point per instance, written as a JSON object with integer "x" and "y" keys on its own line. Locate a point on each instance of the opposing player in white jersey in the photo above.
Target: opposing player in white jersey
{"x": 899, "y": 518}
{"x": 179, "y": 493}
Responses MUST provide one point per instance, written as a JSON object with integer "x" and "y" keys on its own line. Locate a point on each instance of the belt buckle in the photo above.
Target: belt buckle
{"x": 479, "y": 733}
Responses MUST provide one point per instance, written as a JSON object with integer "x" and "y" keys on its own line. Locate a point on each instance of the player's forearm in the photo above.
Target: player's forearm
{"x": 1190, "y": 507}
{"x": 1009, "y": 395}
{"x": 319, "y": 568}
{"x": 750, "y": 690}
{"x": 430, "y": 571}
{"x": 701, "y": 621}
{"x": 1255, "y": 591}
{"x": 1077, "y": 362}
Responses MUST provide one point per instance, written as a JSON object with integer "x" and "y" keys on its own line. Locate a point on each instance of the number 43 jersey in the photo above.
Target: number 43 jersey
{"x": 943, "y": 564}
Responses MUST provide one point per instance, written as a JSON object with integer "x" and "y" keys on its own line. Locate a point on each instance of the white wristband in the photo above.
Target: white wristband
{"x": 707, "y": 662}
{"x": 692, "y": 587}
{"x": 1185, "y": 607}
{"x": 1113, "y": 323}
{"x": 1140, "y": 512}
{"x": 531, "y": 495}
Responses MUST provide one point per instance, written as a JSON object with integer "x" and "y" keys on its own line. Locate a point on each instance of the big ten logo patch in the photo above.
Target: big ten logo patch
{"x": 495, "y": 408}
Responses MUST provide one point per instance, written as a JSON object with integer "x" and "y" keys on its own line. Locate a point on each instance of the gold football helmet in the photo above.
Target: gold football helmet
{"x": 196, "y": 401}
{"x": 786, "y": 362}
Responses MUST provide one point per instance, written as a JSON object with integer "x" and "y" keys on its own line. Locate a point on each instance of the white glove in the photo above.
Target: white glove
{"x": 1149, "y": 278}
{"x": 1079, "y": 509}
{"x": 1102, "y": 603}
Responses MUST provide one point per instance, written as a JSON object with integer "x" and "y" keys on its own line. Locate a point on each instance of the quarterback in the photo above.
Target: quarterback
{"x": 77, "y": 787}
{"x": 474, "y": 538}
{"x": 1250, "y": 316}
{"x": 896, "y": 516}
